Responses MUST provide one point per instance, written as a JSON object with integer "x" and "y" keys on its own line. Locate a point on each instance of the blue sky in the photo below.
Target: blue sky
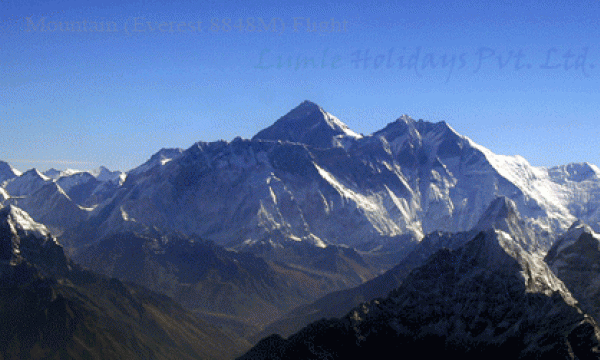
{"x": 106, "y": 83}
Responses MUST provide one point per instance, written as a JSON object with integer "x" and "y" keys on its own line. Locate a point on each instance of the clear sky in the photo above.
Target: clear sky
{"x": 85, "y": 84}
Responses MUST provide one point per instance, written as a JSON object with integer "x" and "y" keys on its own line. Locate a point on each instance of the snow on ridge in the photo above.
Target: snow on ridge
{"x": 574, "y": 172}
{"x": 67, "y": 182}
{"x": 536, "y": 274}
{"x": 3, "y": 195}
{"x": 53, "y": 173}
{"x": 359, "y": 199}
{"x": 372, "y": 205}
{"x": 69, "y": 172}
{"x": 573, "y": 234}
{"x": 419, "y": 132}
{"x": 20, "y": 220}
{"x": 7, "y": 168}
{"x": 557, "y": 195}
{"x": 533, "y": 181}
{"x": 499, "y": 209}
{"x": 26, "y": 184}
{"x": 103, "y": 174}
{"x": 35, "y": 173}
{"x": 160, "y": 158}
{"x": 337, "y": 124}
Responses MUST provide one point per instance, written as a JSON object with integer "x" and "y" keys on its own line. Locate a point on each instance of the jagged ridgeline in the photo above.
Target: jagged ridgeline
{"x": 309, "y": 178}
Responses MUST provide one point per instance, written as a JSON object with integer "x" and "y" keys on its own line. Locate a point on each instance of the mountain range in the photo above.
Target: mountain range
{"x": 309, "y": 178}
{"x": 368, "y": 192}
{"x": 309, "y": 220}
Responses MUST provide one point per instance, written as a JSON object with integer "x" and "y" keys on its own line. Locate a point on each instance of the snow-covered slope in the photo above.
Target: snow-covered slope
{"x": 21, "y": 238}
{"x": 20, "y": 222}
{"x": 458, "y": 178}
{"x": 248, "y": 191}
{"x": 3, "y": 196}
{"x": 29, "y": 182}
{"x": 52, "y": 206}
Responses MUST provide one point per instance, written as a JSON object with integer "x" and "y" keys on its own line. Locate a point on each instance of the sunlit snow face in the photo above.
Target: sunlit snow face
{"x": 20, "y": 220}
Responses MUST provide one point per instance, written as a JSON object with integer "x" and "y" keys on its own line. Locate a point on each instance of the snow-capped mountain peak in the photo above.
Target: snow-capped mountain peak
{"x": 503, "y": 215}
{"x": 309, "y": 124}
{"x": 405, "y": 118}
{"x": 571, "y": 237}
{"x": 69, "y": 172}
{"x": 102, "y": 174}
{"x": 35, "y": 173}
{"x": 399, "y": 130}
{"x": 308, "y": 106}
{"x": 422, "y": 141}
{"x": 7, "y": 172}
{"x": 27, "y": 183}
{"x": 306, "y": 175}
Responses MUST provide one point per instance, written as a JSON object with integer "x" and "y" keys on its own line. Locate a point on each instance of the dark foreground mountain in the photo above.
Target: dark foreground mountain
{"x": 489, "y": 298}
{"x": 502, "y": 214}
{"x": 52, "y": 309}
{"x": 575, "y": 259}
{"x": 339, "y": 303}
